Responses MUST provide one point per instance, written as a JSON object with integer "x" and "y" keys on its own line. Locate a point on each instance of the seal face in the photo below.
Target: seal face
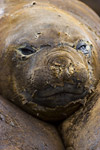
{"x": 49, "y": 63}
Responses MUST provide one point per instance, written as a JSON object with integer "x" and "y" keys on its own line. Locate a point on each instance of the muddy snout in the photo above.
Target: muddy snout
{"x": 64, "y": 81}
{"x": 67, "y": 68}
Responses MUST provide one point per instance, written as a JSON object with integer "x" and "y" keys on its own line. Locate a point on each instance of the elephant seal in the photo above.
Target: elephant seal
{"x": 49, "y": 56}
{"x": 49, "y": 66}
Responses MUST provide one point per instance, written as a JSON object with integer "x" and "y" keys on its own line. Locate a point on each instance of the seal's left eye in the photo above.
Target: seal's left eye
{"x": 27, "y": 50}
{"x": 84, "y": 46}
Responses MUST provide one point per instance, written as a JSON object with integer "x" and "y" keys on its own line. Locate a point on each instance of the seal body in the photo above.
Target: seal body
{"x": 19, "y": 130}
{"x": 81, "y": 130}
{"x": 93, "y": 5}
{"x": 49, "y": 56}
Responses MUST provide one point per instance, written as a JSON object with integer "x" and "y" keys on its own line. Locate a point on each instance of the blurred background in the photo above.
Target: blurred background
{"x": 94, "y": 4}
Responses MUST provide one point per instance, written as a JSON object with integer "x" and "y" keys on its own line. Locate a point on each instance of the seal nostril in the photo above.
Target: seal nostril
{"x": 34, "y": 3}
{"x": 60, "y": 65}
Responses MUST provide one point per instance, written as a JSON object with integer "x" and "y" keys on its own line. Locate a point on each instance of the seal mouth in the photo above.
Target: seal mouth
{"x": 60, "y": 96}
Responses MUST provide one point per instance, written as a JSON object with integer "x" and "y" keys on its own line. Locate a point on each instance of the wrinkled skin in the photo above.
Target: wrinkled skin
{"x": 49, "y": 60}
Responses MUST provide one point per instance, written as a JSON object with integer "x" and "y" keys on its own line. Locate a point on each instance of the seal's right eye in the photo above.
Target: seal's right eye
{"x": 85, "y": 47}
{"x": 27, "y": 50}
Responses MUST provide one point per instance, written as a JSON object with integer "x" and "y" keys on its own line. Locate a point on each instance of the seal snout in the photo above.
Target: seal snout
{"x": 64, "y": 81}
{"x": 67, "y": 68}
{"x": 59, "y": 96}
{"x": 60, "y": 66}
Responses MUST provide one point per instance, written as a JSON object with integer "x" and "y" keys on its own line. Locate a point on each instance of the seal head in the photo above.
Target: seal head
{"x": 46, "y": 62}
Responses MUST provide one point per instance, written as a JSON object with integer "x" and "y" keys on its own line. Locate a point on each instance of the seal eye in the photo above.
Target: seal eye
{"x": 27, "y": 50}
{"x": 85, "y": 47}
